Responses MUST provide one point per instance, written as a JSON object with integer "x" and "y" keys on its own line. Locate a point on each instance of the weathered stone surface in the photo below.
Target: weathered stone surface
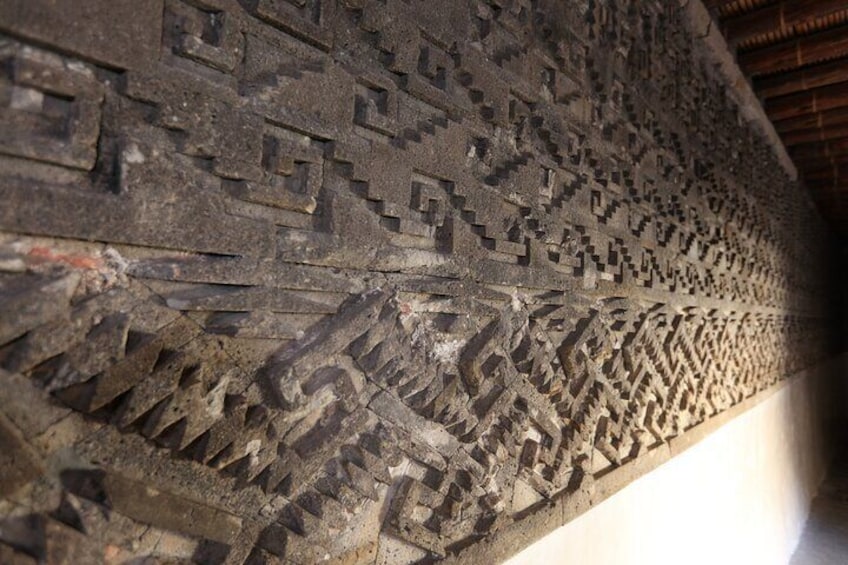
{"x": 371, "y": 281}
{"x": 18, "y": 462}
{"x": 123, "y": 34}
{"x": 29, "y": 301}
{"x": 139, "y": 501}
{"x": 26, "y": 406}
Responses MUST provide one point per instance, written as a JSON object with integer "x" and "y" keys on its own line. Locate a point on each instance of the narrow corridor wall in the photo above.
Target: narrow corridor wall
{"x": 373, "y": 280}
{"x": 740, "y": 496}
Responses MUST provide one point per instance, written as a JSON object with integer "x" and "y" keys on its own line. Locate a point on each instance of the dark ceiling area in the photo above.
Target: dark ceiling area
{"x": 795, "y": 53}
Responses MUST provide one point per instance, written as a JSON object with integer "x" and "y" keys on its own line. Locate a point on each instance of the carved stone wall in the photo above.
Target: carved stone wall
{"x": 369, "y": 280}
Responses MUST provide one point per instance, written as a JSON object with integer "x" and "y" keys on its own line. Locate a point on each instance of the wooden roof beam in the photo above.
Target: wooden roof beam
{"x": 816, "y": 120}
{"x": 778, "y": 18}
{"x": 800, "y": 137}
{"x": 817, "y": 76}
{"x": 836, "y": 174}
{"x": 818, "y": 150}
{"x": 815, "y": 163}
{"x": 808, "y": 102}
{"x": 790, "y": 55}
{"x": 720, "y": 5}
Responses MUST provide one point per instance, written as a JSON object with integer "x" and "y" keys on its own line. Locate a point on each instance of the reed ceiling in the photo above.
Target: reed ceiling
{"x": 795, "y": 53}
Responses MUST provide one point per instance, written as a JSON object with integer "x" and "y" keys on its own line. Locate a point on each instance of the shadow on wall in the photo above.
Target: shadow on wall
{"x": 837, "y": 305}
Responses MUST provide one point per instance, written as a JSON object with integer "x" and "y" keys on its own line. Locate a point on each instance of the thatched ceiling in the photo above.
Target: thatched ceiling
{"x": 795, "y": 52}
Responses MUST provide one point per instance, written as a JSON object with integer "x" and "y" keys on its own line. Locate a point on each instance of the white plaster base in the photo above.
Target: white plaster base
{"x": 739, "y": 496}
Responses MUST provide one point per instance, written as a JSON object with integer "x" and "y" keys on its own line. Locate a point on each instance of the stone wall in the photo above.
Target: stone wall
{"x": 370, "y": 280}
{"x": 741, "y": 495}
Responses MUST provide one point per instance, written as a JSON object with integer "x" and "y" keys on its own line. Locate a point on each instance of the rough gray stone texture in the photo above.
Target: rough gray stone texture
{"x": 371, "y": 281}
{"x": 121, "y": 34}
